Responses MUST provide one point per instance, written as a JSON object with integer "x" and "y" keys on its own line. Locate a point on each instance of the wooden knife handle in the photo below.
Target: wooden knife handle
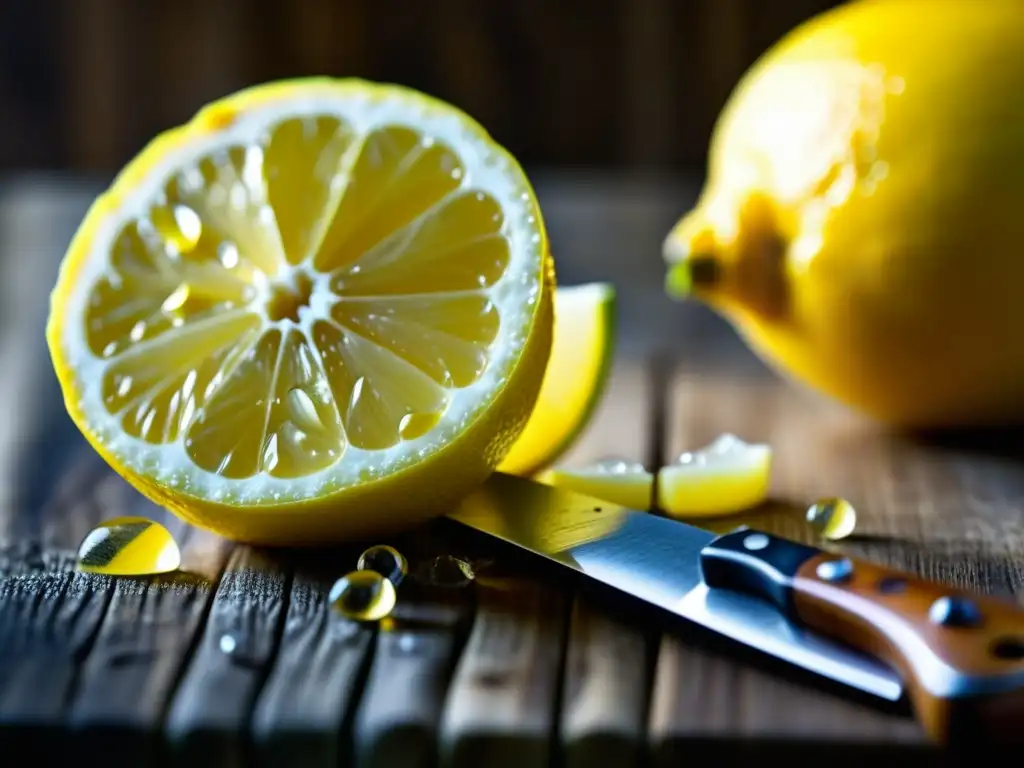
{"x": 961, "y": 655}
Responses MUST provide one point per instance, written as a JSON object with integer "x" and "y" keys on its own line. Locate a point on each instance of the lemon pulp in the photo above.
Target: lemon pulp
{"x": 726, "y": 476}
{"x": 617, "y": 481}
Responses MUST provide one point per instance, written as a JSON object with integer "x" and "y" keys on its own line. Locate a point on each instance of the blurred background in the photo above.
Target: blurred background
{"x": 610, "y": 84}
{"x": 609, "y": 105}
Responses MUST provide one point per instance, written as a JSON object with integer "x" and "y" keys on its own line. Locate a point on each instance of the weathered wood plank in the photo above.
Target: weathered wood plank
{"x": 49, "y": 617}
{"x": 606, "y": 683}
{"x": 143, "y": 644}
{"x": 701, "y": 697}
{"x": 504, "y": 694}
{"x": 211, "y": 710}
{"x": 414, "y": 653}
{"x": 604, "y": 705}
{"x": 314, "y": 686}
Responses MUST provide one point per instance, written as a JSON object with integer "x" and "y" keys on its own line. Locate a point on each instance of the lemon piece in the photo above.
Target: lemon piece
{"x": 577, "y": 372}
{"x": 859, "y": 226}
{"x": 618, "y": 482}
{"x": 320, "y": 309}
{"x": 727, "y": 476}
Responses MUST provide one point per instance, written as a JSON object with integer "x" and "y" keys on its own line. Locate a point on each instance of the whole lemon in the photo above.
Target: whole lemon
{"x": 862, "y": 224}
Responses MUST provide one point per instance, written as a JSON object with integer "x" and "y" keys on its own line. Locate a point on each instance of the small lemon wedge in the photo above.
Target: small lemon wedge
{"x": 613, "y": 480}
{"x": 725, "y": 477}
{"x": 574, "y": 380}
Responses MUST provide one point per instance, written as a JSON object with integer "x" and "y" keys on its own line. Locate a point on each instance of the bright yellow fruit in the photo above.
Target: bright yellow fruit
{"x": 318, "y": 310}
{"x": 863, "y": 220}
{"x": 725, "y": 477}
{"x": 619, "y": 482}
{"x": 581, "y": 356}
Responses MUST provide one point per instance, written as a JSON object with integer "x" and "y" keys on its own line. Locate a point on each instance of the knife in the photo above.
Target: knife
{"x": 957, "y": 657}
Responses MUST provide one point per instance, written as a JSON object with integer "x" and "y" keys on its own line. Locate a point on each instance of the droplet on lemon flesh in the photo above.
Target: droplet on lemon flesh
{"x": 833, "y": 518}
{"x": 272, "y": 318}
{"x": 725, "y": 477}
{"x": 129, "y": 546}
{"x": 617, "y": 481}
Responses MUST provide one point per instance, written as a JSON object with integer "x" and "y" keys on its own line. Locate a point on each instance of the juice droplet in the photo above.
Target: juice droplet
{"x": 448, "y": 571}
{"x": 385, "y": 560}
{"x": 238, "y": 650}
{"x": 176, "y": 300}
{"x": 415, "y": 425}
{"x": 363, "y": 596}
{"x": 190, "y": 228}
{"x": 129, "y": 546}
{"x": 303, "y": 410}
{"x": 832, "y": 518}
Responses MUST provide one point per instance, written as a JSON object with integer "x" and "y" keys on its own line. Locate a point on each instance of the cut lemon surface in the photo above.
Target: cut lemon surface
{"x": 727, "y": 476}
{"x": 577, "y": 371}
{"x": 619, "y": 482}
{"x": 319, "y": 309}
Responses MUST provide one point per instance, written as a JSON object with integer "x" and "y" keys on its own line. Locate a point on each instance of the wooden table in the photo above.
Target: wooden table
{"x": 518, "y": 669}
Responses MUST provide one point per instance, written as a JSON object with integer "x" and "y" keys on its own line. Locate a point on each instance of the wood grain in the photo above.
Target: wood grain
{"x": 210, "y": 711}
{"x": 49, "y": 618}
{"x": 415, "y": 652}
{"x": 702, "y": 698}
{"x": 604, "y": 704}
{"x": 504, "y": 694}
{"x": 140, "y": 652}
{"x": 606, "y": 682}
{"x": 314, "y": 685}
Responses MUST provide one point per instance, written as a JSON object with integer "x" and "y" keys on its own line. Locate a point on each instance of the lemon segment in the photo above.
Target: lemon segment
{"x": 618, "y": 482}
{"x": 576, "y": 375}
{"x": 725, "y": 477}
{"x": 319, "y": 309}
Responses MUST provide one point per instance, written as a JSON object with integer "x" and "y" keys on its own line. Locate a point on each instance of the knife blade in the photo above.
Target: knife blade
{"x": 958, "y": 657}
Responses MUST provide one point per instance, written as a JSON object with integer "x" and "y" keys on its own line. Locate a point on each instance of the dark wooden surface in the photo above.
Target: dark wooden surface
{"x": 517, "y": 668}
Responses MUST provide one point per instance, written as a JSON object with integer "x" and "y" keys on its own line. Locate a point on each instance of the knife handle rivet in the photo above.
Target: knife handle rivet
{"x": 835, "y": 570}
{"x": 954, "y": 612}
{"x": 755, "y": 541}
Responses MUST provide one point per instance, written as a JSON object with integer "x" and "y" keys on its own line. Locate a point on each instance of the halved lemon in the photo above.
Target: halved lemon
{"x": 581, "y": 357}
{"x": 725, "y": 477}
{"x": 320, "y": 309}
